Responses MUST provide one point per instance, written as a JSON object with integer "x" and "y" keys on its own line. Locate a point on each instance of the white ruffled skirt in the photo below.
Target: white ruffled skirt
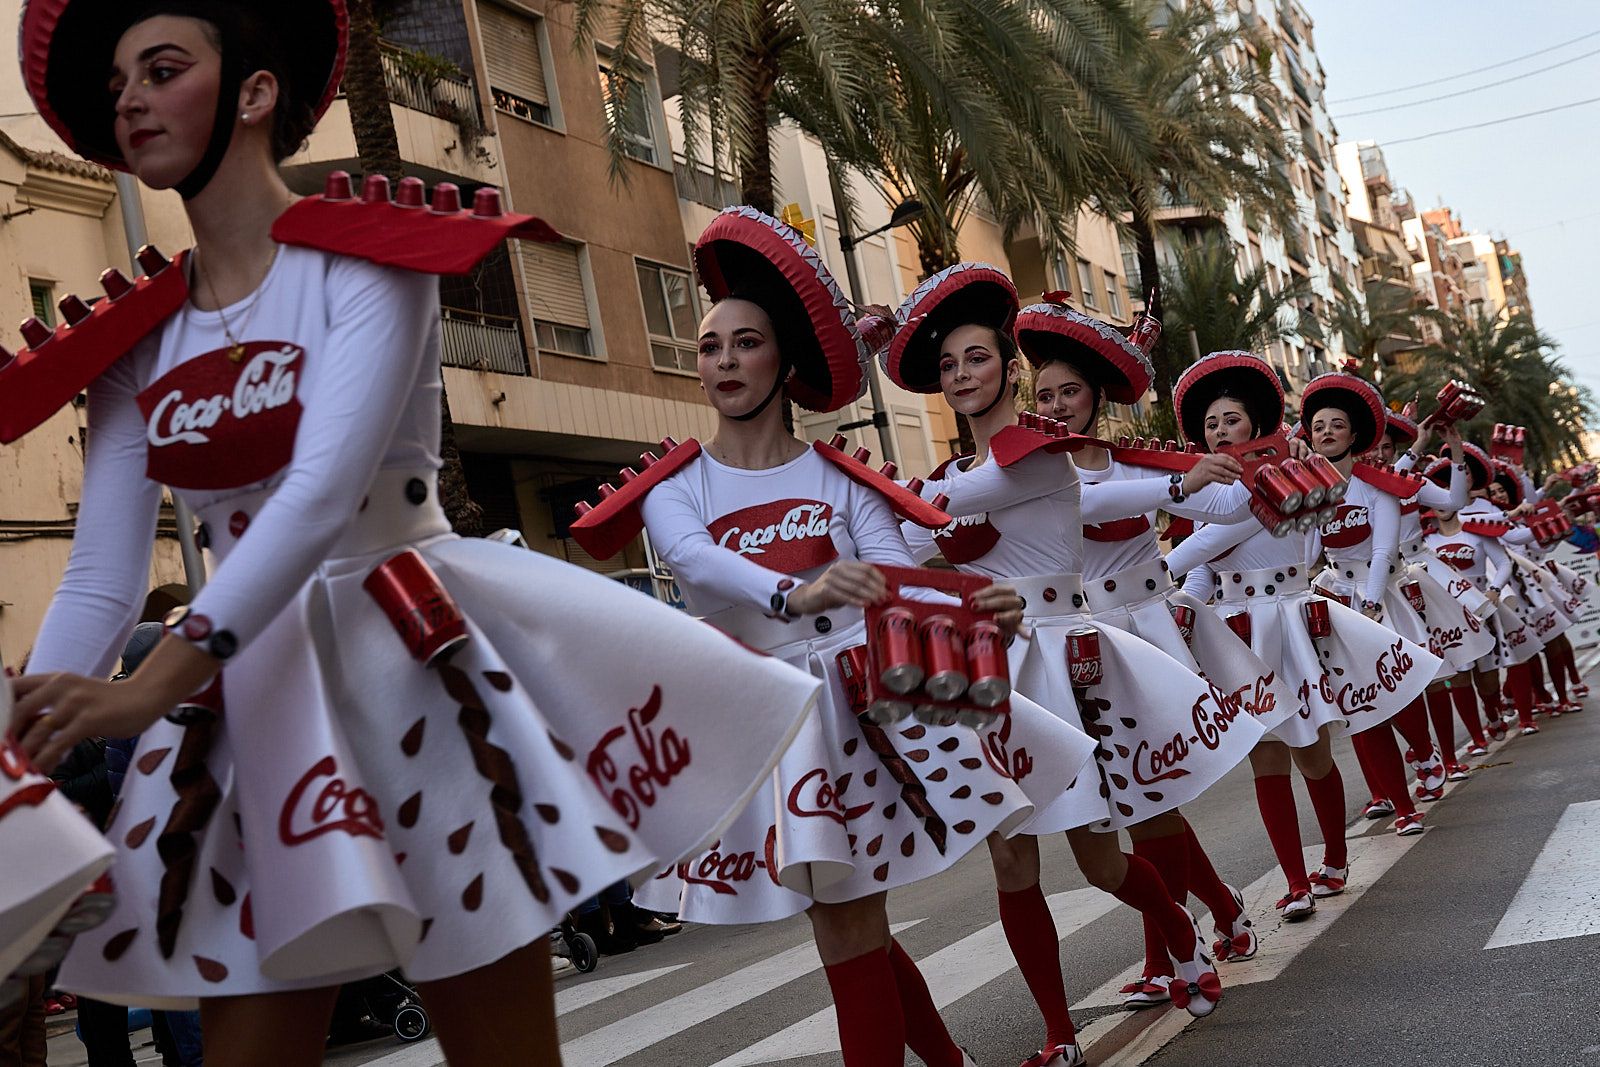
{"x": 352, "y": 811}
{"x": 1444, "y": 627}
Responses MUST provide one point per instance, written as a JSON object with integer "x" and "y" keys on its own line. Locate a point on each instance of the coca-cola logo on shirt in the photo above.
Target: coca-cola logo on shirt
{"x": 1457, "y": 555}
{"x": 967, "y": 539}
{"x": 214, "y": 422}
{"x": 1350, "y": 525}
{"x": 783, "y": 535}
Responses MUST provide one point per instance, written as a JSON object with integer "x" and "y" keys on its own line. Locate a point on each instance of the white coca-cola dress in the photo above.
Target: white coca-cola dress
{"x": 1360, "y": 675}
{"x": 1362, "y": 543}
{"x": 837, "y": 820}
{"x": 1162, "y": 735}
{"x": 352, "y": 811}
{"x": 1462, "y": 560}
{"x": 48, "y": 850}
{"x": 1475, "y": 642}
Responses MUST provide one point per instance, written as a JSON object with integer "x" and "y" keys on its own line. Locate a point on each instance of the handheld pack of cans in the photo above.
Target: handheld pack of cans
{"x": 1508, "y": 442}
{"x": 942, "y": 663}
{"x": 1458, "y": 402}
{"x": 1549, "y": 523}
{"x": 1288, "y": 494}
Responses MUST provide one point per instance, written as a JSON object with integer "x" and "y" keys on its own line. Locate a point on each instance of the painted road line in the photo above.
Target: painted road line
{"x": 637, "y": 1032}
{"x": 1558, "y": 898}
{"x": 577, "y": 995}
{"x": 952, "y": 973}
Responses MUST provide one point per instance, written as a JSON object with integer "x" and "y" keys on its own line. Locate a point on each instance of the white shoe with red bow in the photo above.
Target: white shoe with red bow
{"x": 1235, "y": 941}
{"x": 1195, "y": 986}
{"x": 1056, "y": 1056}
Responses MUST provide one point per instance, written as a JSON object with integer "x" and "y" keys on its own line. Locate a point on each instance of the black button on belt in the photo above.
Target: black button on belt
{"x": 1111, "y": 587}
{"x": 1077, "y": 600}
{"x": 202, "y": 536}
{"x": 1278, "y": 576}
{"x": 1024, "y": 600}
{"x": 1349, "y": 574}
{"x": 1293, "y": 571}
{"x": 417, "y": 491}
{"x": 1149, "y": 583}
{"x": 824, "y": 624}
{"x": 1272, "y": 589}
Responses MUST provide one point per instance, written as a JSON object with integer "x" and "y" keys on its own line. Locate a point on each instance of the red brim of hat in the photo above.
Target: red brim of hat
{"x": 66, "y": 49}
{"x": 745, "y": 253}
{"x": 1478, "y": 466}
{"x": 1401, "y": 428}
{"x": 1047, "y": 332}
{"x": 1199, "y": 385}
{"x": 962, "y": 295}
{"x": 1357, "y": 398}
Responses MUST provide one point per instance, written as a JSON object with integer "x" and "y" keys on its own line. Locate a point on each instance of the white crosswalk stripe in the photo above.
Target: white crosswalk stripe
{"x": 1561, "y": 895}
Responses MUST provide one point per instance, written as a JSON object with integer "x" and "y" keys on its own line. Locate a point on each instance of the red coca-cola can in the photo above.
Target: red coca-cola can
{"x": 1083, "y": 657}
{"x": 936, "y": 714}
{"x": 1310, "y": 485}
{"x": 1277, "y": 490}
{"x": 1318, "y": 624}
{"x": 1145, "y": 332}
{"x": 944, "y": 658}
{"x": 899, "y": 649}
{"x": 1183, "y": 617}
{"x": 988, "y": 673}
{"x": 1239, "y": 623}
{"x": 1277, "y": 523}
{"x": 203, "y": 706}
{"x": 418, "y": 606}
{"x": 1413, "y": 593}
{"x": 1334, "y": 484}
{"x": 852, "y": 664}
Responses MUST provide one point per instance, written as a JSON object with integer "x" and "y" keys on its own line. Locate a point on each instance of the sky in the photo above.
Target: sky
{"x": 1535, "y": 181}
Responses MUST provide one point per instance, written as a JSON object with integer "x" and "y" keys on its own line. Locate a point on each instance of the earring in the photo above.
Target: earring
{"x": 244, "y": 117}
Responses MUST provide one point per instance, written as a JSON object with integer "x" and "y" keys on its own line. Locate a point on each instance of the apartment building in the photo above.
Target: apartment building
{"x": 1378, "y": 211}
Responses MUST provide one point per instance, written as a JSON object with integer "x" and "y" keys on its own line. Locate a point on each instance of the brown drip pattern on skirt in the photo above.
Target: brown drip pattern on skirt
{"x": 178, "y": 842}
{"x": 912, "y": 791}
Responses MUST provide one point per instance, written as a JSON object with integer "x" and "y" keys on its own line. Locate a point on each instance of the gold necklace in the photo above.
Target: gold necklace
{"x": 236, "y": 346}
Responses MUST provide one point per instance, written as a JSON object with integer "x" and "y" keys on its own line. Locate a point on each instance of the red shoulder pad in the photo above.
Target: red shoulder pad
{"x": 1154, "y": 456}
{"x": 1015, "y": 443}
{"x": 429, "y": 237}
{"x": 605, "y": 528}
{"x": 1178, "y": 529}
{"x": 904, "y": 502}
{"x": 1401, "y": 484}
{"x": 1488, "y": 527}
{"x": 59, "y": 364}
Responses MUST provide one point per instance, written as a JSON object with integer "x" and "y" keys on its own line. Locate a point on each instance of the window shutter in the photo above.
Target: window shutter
{"x": 511, "y": 47}
{"x": 555, "y": 283}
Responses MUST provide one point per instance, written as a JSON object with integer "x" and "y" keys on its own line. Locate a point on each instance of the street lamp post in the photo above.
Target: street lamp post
{"x": 905, "y": 212}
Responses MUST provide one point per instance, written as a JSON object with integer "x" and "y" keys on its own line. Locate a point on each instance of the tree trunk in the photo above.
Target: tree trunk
{"x": 378, "y": 146}
{"x": 1161, "y": 358}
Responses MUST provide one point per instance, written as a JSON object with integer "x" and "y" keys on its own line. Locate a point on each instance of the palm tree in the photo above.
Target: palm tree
{"x": 1203, "y": 291}
{"x": 1388, "y": 312}
{"x": 1513, "y": 365}
{"x": 378, "y": 146}
{"x": 1207, "y": 145}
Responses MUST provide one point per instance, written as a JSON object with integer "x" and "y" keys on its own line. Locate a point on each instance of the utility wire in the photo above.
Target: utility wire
{"x": 1473, "y": 89}
{"x": 1466, "y": 73}
{"x": 1492, "y": 122}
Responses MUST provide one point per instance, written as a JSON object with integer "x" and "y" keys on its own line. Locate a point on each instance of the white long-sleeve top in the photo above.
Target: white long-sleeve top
{"x": 1451, "y": 499}
{"x": 735, "y": 537}
{"x": 1116, "y": 538}
{"x": 1472, "y": 555}
{"x": 341, "y": 380}
{"x": 1365, "y": 527}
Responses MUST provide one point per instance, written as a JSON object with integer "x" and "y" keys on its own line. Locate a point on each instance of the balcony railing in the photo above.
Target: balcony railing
{"x": 440, "y": 95}
{"x": 701, "y": 186}
{"x": 478, "y": 341}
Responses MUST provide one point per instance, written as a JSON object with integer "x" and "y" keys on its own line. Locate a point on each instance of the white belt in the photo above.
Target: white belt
{"x": 759, "y": 630}
{"x": 1130, "y": 586}
{"x": 401, "y": 508}
{"x": 1355, "y": 571}
{"x": 1410, "y": 550}
{"x": 1235, "y": 586}
{"x": 1051, "y": 595}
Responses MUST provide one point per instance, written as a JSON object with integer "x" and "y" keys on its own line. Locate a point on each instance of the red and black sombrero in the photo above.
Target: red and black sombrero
{"x": 967, "y": 294}
{"x": 1478, "y": 466}
{"x": 753, "y": 256}
{"x": 1401, "y": 427}
{"x": 66, "y": 49}
{"x": 1118, "y": 367}
{"x": 1237, "y": 373}
{"x": 1507, "y": 476}
{"x": 1356, "y": 397}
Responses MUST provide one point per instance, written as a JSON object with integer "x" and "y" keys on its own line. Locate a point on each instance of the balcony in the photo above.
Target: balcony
{"x": 701, "y": 186}
{"x": 424, "y": 85}
{"x": 478, "y": 341}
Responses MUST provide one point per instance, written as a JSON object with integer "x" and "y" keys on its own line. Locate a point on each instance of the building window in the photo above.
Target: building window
{"x": 43, "y": 296}
{"x": 558, "y": 297}
{"x": 1114, "y": 303}
{"x": 1086, "y": 284}
{"x": 638, "y": 136}
{"x": 516, "y": 63}
{"x": 669, "y": 315}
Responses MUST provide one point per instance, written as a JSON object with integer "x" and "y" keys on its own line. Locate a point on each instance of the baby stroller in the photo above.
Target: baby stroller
{"x": 388, "y": 1000}
{"x": 568, "y": 943}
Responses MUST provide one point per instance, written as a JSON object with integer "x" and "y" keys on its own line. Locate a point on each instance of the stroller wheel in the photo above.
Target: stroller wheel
{"x": 411, "y": 1023}
{"x": 584, "y": 955}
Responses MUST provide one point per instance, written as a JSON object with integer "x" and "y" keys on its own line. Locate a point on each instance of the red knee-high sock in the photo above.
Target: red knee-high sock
{"x": 1541, "y": 695}
{"x": 1487, "y": 684}
{"x": 1031, "y": 933}
{"x": 1519, "y": 682}
{"x": 868, "y": 1035}
{"x": 1465, "y": 699}
{"x": 1558, "y": 674}
{"x": 1412, "y": 722}
{"x": 1568, "y": 659}
{"x": 1369, "y": 772}
{"x": 1385, "y": 756}
{"x": 1170, "y": 857}
{"x": 925, "y": 1031}
{"x": 1444, "y": 723}
{"x": 1142, "y": 888}
{"x": 1275, "y": 798}
{"x": 1327, "y": 800}
{"x": 1206, "y": 884}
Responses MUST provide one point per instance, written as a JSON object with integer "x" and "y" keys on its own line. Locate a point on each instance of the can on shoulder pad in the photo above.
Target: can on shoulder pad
{"x": 899, "y": 650}
{"x": 1183, "y": 617}
{"x": 1239, "y": 623}
{"x": 990, "y": 681}
{"x": 1413, "y": 592}
{"x": 422, "y": 612}
{"x": 944, "y": 658}
{"x": 1083, "y": 657}
{"x": 1318, "y": 624}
